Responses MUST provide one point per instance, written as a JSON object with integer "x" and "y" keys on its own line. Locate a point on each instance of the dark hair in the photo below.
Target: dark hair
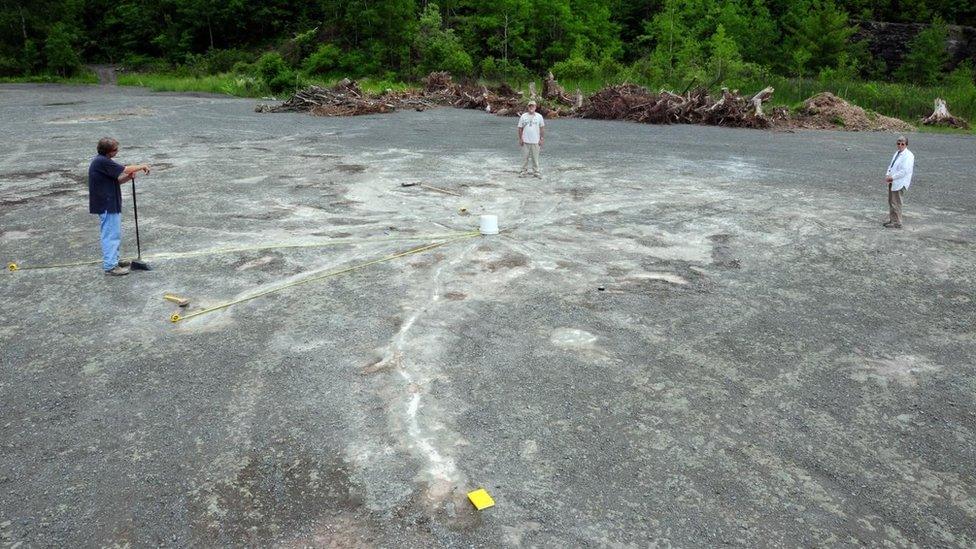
{"x": 107, "y": 145}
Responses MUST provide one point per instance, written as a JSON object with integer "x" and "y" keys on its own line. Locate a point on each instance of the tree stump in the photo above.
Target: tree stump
{"x": 940, "y": 117}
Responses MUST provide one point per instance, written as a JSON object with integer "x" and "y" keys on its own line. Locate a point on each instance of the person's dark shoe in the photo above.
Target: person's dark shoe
{"x": 124, "y": 263}
{"x": 892, "y": 225}
{"x": 117, "y": 271}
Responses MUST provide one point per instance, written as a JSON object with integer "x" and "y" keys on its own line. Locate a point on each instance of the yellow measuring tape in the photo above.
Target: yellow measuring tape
{"x": 176, "y": 317}
{"x": 12, "y": 267}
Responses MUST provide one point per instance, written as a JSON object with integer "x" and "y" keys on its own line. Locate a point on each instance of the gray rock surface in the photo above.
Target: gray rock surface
{"x": 764, "y": 367}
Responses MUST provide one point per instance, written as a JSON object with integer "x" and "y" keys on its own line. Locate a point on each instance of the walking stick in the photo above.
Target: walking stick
{"x": 137, "y": 264}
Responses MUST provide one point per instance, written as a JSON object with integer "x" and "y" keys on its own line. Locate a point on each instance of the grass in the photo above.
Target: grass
{"x": 238, "y": 85}
{"x": 84, "y": 77}
{"x": 227, "y": 83}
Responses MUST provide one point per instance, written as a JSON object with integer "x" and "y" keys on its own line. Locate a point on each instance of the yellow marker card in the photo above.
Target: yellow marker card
{"x": 481, "y": 499}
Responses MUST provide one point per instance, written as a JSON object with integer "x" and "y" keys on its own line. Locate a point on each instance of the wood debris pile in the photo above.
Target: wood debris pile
{"x": 503, "y": 100}
{"x": 637, "y": 104}
{"x": 619, "y": 102}
{"x": 343, "y": 99}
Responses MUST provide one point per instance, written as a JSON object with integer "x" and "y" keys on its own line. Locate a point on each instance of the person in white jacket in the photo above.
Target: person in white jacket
{"x": 898, "y": 177}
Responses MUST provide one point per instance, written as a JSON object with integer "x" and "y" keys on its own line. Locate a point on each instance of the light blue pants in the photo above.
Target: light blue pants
{"x": 111, "y": 239}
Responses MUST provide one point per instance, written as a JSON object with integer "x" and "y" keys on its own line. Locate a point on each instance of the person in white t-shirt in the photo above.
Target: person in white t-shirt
{"x": 531, "y": 135}
{"x": 898, "y": 177}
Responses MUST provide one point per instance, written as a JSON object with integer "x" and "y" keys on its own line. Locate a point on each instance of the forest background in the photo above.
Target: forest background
{"x": 255, "y": 48}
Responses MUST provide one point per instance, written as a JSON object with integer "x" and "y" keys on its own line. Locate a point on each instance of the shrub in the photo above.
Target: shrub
{"x": 608, "y": 67}
{"x": 10, "y": 66}
{"x": 575, "y": 68}
{"x": 219, "y": 61}
{"x": 846, "y": 70}
{"x": 356, "y": 63}
{"x": 325, "y": 60}
{"x": 135, "y": 62}
{"x": 644, "y": 71}
{"x": 244, "y": 68}
{"x": 499, "y": 69}
{"x": 275, "y": 72}
{"x": 963, "y": 77}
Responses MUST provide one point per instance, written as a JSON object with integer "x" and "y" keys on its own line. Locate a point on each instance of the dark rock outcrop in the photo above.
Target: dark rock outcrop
{"x": 889, "y": 41}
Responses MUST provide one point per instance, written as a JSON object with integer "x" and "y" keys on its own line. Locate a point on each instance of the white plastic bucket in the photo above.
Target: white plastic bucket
{"x": 489, "y": 224}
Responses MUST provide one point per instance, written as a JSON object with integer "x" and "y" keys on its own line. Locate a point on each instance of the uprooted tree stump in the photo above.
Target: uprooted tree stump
{"x": 941, "y": 117}
{"x": 552, "y": 91}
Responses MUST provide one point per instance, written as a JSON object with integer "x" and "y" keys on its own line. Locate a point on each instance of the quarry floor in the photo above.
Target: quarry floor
{"x": 683, "y": 337}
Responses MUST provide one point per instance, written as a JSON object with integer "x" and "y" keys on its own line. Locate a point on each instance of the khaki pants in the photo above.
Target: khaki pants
{"x": 530, "y": 150}
{"x": 894, "y": 204}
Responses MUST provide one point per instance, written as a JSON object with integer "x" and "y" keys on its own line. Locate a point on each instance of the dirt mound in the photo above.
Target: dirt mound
{"x": 827, "y": 111}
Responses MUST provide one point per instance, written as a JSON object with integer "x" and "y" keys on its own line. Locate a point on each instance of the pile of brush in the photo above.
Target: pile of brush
{"x": 343, "y": 99}
{"x": 637, "y": 104}
{"x": 621, "y": 102}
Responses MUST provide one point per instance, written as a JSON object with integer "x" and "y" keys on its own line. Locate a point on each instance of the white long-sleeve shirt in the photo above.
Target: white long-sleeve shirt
{"x": 901, "y": 169}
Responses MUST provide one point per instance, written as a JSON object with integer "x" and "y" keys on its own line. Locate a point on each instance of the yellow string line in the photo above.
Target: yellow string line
{"x": 12, "y": 267}
{"x": 176, "y": 317}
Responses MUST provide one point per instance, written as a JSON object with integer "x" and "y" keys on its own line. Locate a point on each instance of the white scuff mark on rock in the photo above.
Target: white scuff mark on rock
{"x": 423, "y": 429}
{"x": 665, "y": 277}
{"x": 571, "y": 338}
{"x": 903, "y": 369}
{"x": 249, "y": 180}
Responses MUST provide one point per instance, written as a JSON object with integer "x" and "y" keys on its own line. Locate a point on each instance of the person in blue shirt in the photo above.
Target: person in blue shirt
{"x": 105, "y": 178}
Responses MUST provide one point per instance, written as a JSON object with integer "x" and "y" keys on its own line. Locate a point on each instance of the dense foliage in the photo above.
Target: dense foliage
{"x": 675, "y": 42}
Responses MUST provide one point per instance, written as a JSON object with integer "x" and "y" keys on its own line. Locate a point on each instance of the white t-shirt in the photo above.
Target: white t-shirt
{"x": 530, "y": 124}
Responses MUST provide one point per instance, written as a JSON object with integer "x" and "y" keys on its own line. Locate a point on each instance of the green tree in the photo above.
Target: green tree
{"x": 725, "y": 60}
{"x": 752, "y": 27}
{"x": 675, "y": 34}
{"x": 927, "y": 55}
{"x": 496, "y": 32}
{"x": 32, "y": 57}
{"x": 438, "y": 48}
{"x": 819, "y": 28}
{"x": 60, "y": 52}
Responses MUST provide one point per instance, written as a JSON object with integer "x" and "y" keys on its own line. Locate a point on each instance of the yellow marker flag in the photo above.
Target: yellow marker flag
{"x": 481, "y": 499}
